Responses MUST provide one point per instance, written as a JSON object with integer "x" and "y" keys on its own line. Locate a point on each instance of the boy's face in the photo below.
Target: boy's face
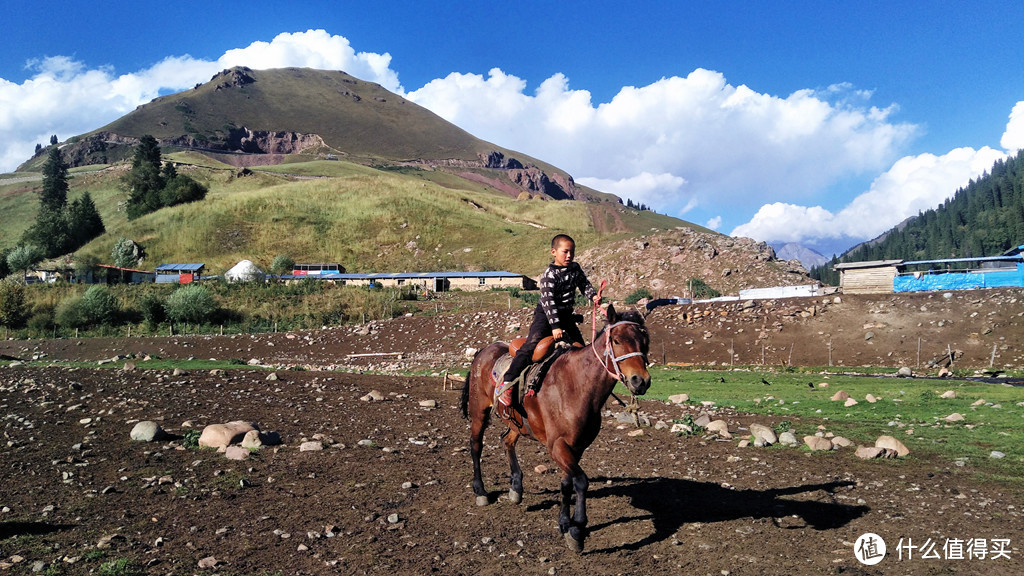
{"x": 563, "y": 253}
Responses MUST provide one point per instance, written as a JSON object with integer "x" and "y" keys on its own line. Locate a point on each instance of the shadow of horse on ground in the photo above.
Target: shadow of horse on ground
{"x": 11, "y": 529}
{"x": 671, "y": 503}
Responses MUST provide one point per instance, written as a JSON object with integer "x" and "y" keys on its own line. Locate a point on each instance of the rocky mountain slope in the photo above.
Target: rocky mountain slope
{"x": 664, "y": 262}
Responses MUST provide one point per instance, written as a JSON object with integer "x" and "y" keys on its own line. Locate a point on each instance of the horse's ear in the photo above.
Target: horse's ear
{"x": 612, "y": 316}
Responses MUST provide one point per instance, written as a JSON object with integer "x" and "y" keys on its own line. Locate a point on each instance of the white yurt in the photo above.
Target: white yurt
{"x": 244, "y": 271}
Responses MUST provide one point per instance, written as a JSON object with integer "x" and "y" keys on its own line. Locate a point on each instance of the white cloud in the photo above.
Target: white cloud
{"x": 729, "y": 143}
{"x": 65, "y": 98}
{"x": 913, "y": 184}
{"x": 1013, "y": 138}
{"x": 714, "y": 223}
{"x": 644, "y": 188}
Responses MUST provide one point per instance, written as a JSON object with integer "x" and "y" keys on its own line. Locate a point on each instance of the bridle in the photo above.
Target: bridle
{"x": 609, "y": 353}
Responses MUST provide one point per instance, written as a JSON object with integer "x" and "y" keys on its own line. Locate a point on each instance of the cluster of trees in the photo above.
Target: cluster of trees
{"x": 61, "y": 227}
{"x": 637, "y": 206}
{"x": 985, "y": 218}
{"x": 152, "y": 184}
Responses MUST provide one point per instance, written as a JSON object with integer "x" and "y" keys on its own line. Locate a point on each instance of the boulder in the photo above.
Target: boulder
{"x": 221, "y": 435}
{"x": 850, "y": 402}
{"x": 869, "y": 452}
{"x": 373, "y": 396}
{"x": 764, "y": 434}
{"x": 840, "y": 396}
{"x": 679, "y": 398}
{"x": 890, "y": 443}
{"x": 841, "y": 442}
{"x": 954, "y": 417}
{"x": 147, "y": 431}
{"x": 905, "y": 372}
{"x": 311, "y": 446}
{"x": 252, "y": 440}
{"x": 871, "y": 399}
{"x": 236, "y": 453}
{"x": 787, "y": 438}
{"x": 817, "y": 443}
{"x": 720, "y": 427}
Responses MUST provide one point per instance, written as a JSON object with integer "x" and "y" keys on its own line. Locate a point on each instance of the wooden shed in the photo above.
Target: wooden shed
{"x": 872, "y": 277}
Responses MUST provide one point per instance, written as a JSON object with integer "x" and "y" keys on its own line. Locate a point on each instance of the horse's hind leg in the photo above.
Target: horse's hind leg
{"x": 515, "y": 492}
{"x": 476, "y": 447}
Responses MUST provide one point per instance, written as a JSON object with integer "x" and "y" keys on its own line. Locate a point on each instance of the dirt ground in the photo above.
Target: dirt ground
{"x": 390, "y": 494}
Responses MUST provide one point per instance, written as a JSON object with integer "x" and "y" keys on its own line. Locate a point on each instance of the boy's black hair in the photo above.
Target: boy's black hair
{"x": 561, "y": 238}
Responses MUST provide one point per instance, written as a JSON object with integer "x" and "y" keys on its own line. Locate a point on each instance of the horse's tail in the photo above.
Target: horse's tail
{"x": 464, "y": 402}
{"x": 465, "y": 394}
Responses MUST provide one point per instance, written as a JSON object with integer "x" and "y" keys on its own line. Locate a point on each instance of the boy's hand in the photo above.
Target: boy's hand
{"x": 557, "y": 333}
{"x": 596, "y": 299}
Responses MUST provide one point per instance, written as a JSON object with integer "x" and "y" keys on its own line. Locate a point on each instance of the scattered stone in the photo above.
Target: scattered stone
{"x": 540, "y": 469}
{"x": 978, "y": 402}
{"x": 252, "y": 440}
{"x": 147, "y": 431}
{"x": 428, "y": 403}
{"x": 871, "y": 399}
{"x": 816, "y": 443}
{"x": 905, "y": 372}
{"x": 869, "y": 452}
{"x": 272, "y": 377}
{"x": 311, "y": 446}
{"x": 129, "y": 367}
{"x": 373, "y": 396}
{"x": 841, "y": 442}
{"x": 997, "y": 454}
{"x": 763, "y": 435}
{"x": 393, "y": 518}
{"x": 954, "y": 417}
{"x": 948, "y": 394}
{"x": 236, "y": 453}
{"x": 743, "y": 443}
{"x": 891, "y": 443}
{"x": 179, "y": 372}
{"x": 679, "y": 398}
{"x": 840, "y": 396}
{"x": 221, "y": 435}
{"x": 822, "y": 384}
{"x": 787, "y": 438}
{"x": 850, "y": 402}
{"x": 944, "y": 372}
{"x": 869, "y": 335}
{"x": 703, "y": 420}
{"x": 209, "y": 562}
{"x": 635, "y": 433}
{"x": 680, "y": 428}
{"x": 720, "y": 427}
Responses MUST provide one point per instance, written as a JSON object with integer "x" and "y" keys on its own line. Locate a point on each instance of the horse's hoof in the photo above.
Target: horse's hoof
{"x": 515, "y": 497}
{"x": 482, "y": 501}
{"x": 574, "y": 544}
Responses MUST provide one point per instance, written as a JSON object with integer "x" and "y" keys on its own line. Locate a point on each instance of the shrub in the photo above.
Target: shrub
{"x": 152, "y": 308}
{"x": 99, "y": 305}
{"x": 70, "y": 313}
{"x": 191, "y": 304}
{"x": 638, "y": 295}
{"x": 282, "y": 264}
{"x": 702, "y": 290}
{"x": 12, "y": 304}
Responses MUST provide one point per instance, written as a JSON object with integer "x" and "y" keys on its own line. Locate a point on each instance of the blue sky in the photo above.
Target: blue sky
{"x": 819, "y": 122}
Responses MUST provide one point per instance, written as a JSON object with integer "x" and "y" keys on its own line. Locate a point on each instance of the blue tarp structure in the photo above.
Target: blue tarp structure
{"x": 953, "y": 280}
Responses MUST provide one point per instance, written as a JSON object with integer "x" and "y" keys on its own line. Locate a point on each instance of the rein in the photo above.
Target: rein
{"x": 608, "y": 352}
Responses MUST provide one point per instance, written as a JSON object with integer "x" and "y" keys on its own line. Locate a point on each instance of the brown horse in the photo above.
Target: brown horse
{"x": 565, "y": 415}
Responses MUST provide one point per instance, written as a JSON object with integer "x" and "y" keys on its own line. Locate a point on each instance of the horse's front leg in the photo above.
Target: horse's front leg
{"x": 573, "y": 482}
{"x": 515, "y": 492}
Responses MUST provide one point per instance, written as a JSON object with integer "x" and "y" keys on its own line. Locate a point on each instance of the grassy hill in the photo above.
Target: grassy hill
{"x": 368, "y": 219}
{"x": 335, "y": 170}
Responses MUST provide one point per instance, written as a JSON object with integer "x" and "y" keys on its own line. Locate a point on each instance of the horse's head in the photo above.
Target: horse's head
{"x": 627, "y": 346}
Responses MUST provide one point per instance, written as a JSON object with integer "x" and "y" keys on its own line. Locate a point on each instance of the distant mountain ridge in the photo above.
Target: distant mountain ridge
{"x": 246, "y": 117}
{"x": 796, "y": 251}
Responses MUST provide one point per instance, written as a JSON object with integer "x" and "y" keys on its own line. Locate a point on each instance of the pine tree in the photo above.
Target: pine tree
{"x": 54, "y": 194}
{"x": 145, "y": 181}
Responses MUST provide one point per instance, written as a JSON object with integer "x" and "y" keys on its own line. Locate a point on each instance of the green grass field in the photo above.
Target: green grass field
{"x": 904, "y": 405}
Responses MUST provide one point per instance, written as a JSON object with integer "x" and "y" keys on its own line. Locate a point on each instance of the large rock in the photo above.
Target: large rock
{"x": 787, "y": 438}
{"x": 890, "y": 443}
{"x": 222, "y": 435}
{"x": 763, "y": 435}
{"x": 840, "y": 396}
{"x": 147, "y": 431}
{"x": 869, "y": 452}
{"x": 720, "y": 427}
{"x": 679, "y": 398}
{"x": 816, "y": 443}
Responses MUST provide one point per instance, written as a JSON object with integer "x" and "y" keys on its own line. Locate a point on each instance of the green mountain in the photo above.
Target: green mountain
{"x": 323, "y": 167}
{"x": 984, "y": 218}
